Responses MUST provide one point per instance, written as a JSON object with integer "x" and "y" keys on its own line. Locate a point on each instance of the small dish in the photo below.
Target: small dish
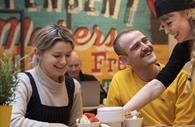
{"x": 133, "y": 122}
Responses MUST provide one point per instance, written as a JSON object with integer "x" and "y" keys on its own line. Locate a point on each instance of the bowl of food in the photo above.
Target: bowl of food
{"x": 133, "y": 119}
{"x": 88, "y": 120}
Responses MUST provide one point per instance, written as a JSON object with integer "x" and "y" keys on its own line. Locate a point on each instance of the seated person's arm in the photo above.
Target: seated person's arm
{"x": 22, "y": 97}
{"x": 19, "y": 106}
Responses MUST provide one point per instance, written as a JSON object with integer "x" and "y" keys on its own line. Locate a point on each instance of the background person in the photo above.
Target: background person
{"x": 173, "y": 107}
{"x": 74, "y": 71}
{"x": 177, "y": 17}
{"x": 44, "y": 96}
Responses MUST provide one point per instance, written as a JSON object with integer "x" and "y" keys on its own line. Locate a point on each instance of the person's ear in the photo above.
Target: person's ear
{"x": 123, "y": 59}
{"x": 188, "y": 13}
{"x": 37, "y": 53}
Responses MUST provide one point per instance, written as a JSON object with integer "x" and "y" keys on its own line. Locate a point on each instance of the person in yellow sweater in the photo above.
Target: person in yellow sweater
{"x": 174, "y": 107}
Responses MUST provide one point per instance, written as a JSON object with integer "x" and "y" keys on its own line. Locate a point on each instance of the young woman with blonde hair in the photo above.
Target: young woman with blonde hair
{"x": 45, "y": 97}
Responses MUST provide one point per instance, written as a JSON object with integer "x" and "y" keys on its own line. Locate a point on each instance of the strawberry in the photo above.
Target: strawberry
{"x": 93, "y": 119}
{"x": 89, "y": 115}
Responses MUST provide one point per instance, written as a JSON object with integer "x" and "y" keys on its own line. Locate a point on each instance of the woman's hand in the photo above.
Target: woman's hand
{"x": 130, "y": 114}
{"x": 127, "y": 114}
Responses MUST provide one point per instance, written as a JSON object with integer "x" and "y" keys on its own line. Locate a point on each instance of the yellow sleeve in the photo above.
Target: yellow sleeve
{"x": 184, "y": 110}
{"x": 113, "y": 97}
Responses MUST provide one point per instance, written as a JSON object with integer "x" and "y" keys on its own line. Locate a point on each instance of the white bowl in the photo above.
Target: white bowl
{"x": 110, "y": 114}
{"x": 133, "y": 122}
{"x": 94, "y": 124}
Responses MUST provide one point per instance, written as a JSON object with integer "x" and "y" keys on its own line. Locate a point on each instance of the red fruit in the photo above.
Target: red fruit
{"x": 89, "y": 115}
{"x": 93, "y": 119}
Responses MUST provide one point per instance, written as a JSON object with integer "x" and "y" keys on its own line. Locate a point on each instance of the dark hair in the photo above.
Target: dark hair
{"x": 163, "y": 7}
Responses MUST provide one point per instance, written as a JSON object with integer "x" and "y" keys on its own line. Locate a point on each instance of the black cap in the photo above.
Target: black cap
{"x": 166, "y": 6}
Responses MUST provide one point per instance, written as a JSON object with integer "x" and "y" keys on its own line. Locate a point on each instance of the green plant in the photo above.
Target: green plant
{"x": 8, "y": 79}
